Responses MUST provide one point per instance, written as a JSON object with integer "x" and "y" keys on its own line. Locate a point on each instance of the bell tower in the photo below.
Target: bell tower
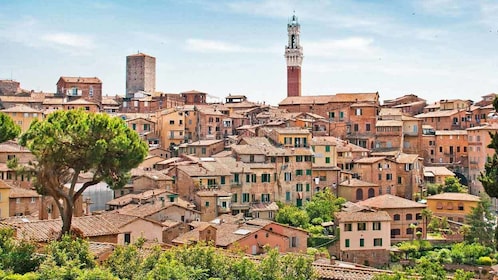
{"x": 294, "y": 58}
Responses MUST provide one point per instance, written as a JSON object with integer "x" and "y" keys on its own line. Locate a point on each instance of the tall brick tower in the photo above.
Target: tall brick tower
{"x": 294, "y": 58}
{"x": 140, "y": 73}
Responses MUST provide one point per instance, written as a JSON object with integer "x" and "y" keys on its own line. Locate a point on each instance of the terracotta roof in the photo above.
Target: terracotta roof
{"x": 324, "y": 99}
{"x": 45, "y": 230}
{"x": 389, "y": 123}
{"x": 357, "y": 183}
{"x": 209, "y": 193}
{"x": 80, "y": 101}
{"x": 204, "y": 142}
{"x": 144, "y": 210}
{"x": 21, "y": 99}
{"x": 21, "y": 108}
{"x": 369, "y": 160}
{"x": 16, "y": 192}
{"x": 362, "y": 216}
{"x": 11, "y": 146}
{"x": 261, "y": 207}
{"x": 193, "y": 91}
{"x": 439, "y": 113}
{"x": 406, "y": 158}
{"x": 388, "y": 201}
{"x": 4, "y": 185}
{"x": 83, "y": 80}
{"x": 340, "y": 272}
{"x": 454, "y": 196}
{"x": 438, "y": 170}
{"x": 292, "y": 130}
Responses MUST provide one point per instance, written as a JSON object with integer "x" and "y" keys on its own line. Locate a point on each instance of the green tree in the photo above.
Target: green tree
{"x": 481, "y": 223}
{"x": 385, "y": 276}
{"x": 429, "y": 270}
{"x": 70, "y": 249}
{"x": 8, "y": 129}
{"x": 452, "y": 184}
{"x": 322, "y": 206}
{"x": 17, "y": 256}
{"x": 125, "y": 261}
{"x": 68, "y": 143}
{"x": 427, "y": 216}
{"x": 489, "y": 178}
{"x": 461, "y": 274}
{"x": 292, "y": 215}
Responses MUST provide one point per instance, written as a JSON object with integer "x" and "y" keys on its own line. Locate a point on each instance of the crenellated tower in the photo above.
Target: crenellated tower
{"x": 294, "y": 58}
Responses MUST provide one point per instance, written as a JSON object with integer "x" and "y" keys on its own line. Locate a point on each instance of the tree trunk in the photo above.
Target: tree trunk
{"x": 67, "y": 216}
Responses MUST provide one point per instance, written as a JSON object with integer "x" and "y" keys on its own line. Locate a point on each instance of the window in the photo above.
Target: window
{"x": 341, "y": 115}
{"x": 367, "y": 127}
{"x": 389, "y": 176}
{"x": 460, "y": 206}
{"x": 362, "y": 226}
{"x": 439, "y": 205}
{"x": 287, "y": 176}
{"x": 356, "y": 127}
{"x": 287, "y": 196}
{"x": 127, "y": 238}
{"x": 236, "y": 177}
{"x": 265, "y": 178}
{"x": 362, "y": 242}
{"x": 222, "y": 180}
{"x": 327, "y": 159}
{"x": 359, "y": 194}
{"x": 409, "y": 231}
{"x": 33, "y": 199}
{"x": 346, "y": 243}
{"x": 307, "y": 187}
{"x": 299, "y": 158}
{"x": 90, "y": 91}
{"x": 308, "y": 172}
{"x": 207, "y": 204}
{"x": 418, "y": 216}
{"x": 299, "y": 172}
{"x": 265, "y": 197}
{"x": 377, "y": 242}
{"x": 203, "y": 150}
{"x": 248, "y": 178}
{"x": 245, "y": 197}
{"x": 376, "y": 225}
{"x": 293, "y": 242}
{"x": 299, "y": 187}
{"x": 358, "y": 112}
{"x": 348, "y": 227}
{"x": 253, "y": 178}
{"x": 327, "y": 148}
{"x": 396, "y": 217}
{"x": 18, "y": 200}
{"x": 331, "y": 115}
{"x": 286, "y": 159}
{"x": 409, "y": 217}
{"x": 371, "y": 192}
{"x": 395, "y": 231}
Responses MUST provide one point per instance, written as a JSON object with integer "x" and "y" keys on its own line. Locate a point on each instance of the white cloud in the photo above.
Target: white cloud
{"x": 451, "y": 8}
{"x": 214, "y": 46}
{"x": 70, "y": 40}
{"x": 357, "y": 47}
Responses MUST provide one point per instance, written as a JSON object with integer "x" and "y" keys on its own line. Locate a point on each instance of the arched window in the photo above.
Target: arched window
{"x": 371, "y": 192}
{"x": 359, "y": 194}
{"x": 449, "y": 206}
{"x": 409, "y": 217}
{"x": 396, "y": 217}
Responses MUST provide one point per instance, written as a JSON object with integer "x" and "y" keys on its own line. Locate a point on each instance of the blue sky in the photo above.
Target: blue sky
{"x": 436, "y": 49}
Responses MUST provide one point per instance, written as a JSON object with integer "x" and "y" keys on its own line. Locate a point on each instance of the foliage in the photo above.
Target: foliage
{"x": 414, "y": 248}
{"x": 69, "y": 250}
{"x": 428, "y": 269}
{"x": 322, "y": 206}
{"x": 385, "y": 276}
{"x": 461, "y": 274}
{"x": 438, "y": 224}
{"x": 485, "y": 261}
{"x": 452, "y": 184}
{"x": 489, "y": 178}
{"x": 8, "y": 129}
{"x": 291, "y": 215}
{"x": 464, "y": 253}
{"x": 68, "y": 143}
{"x": 17, "y": 256}
{"x": 481, "y": 223}
{"x": 433, "y": 189}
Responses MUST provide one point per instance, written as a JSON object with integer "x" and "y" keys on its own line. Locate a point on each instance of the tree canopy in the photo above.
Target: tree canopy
{"x": 69, "y": 143}
{"x": 489, "y": 178}
{"x": 8, "y": 129}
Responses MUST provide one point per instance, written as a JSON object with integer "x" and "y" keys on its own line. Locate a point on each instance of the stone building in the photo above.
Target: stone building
{"x": 88, "y": 88}
{"x": 140, "y": 74}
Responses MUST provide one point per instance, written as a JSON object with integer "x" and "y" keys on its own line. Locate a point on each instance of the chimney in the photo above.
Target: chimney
{"x": 332, "y": 260}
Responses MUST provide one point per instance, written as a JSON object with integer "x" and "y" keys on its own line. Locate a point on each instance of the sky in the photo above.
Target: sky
{"x": 436, "y": 49}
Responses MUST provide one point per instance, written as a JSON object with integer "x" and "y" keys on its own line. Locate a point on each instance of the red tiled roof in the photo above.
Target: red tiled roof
{"x": 83, "y": 80}
{"x": 454, "y": 196}
{"x": 388, "y": 201}
{"x": 362, "y": 216}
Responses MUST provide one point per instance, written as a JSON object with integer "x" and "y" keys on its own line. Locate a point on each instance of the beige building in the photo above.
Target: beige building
{"x": 140, "y": 74}
{"x": 23, "y": 115}
{"x": 364, "y": 236}
{"x": 403, "y": 213}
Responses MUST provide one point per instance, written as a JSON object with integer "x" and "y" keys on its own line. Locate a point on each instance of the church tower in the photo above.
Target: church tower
{"x": 294, "y": 58}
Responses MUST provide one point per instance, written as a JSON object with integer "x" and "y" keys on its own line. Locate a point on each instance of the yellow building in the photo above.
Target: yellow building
{"x": 291, "y": 137}
{"x": 324, "y": 166}
{"x": 23, "y": 115}
{"x": 455, "y": 206}
{"x": 4, "y": 200}
{"x": 171, "y": 127}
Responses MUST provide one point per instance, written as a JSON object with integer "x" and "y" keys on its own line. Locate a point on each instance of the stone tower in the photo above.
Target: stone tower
{"x": 140, "y": 74}
{"x": 294, "y": 58}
